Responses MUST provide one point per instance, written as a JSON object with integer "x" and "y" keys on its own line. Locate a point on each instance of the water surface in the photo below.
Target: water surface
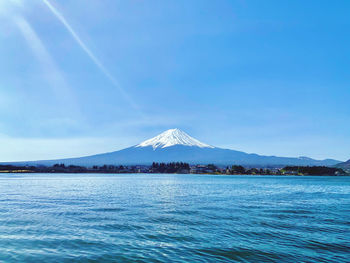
{"x": 173, "y": 218}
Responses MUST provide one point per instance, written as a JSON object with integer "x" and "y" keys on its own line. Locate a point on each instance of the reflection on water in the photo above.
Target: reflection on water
{"x": 177, "y": 218}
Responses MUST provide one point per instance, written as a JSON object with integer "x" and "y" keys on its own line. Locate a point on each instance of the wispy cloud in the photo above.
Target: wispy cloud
{"x": 91, "y": 55}
{"x": 52, "y": 73}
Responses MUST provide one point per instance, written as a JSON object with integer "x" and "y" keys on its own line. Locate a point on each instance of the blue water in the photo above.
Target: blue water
{"x": 174, "y": 218}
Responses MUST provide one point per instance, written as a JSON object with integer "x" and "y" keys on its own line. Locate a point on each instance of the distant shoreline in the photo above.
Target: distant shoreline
{"x": 276, "y": 175}
{"x": 176, "y": 168}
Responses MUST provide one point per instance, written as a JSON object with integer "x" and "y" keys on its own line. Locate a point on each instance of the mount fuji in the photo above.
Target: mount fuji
{"x": 175, "y": 145}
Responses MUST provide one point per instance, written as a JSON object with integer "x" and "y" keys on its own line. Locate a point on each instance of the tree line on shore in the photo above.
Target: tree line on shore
{"x": 174, "y": 167}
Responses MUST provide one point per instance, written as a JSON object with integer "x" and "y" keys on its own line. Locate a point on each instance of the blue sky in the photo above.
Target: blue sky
{"x": 79, "y": 77}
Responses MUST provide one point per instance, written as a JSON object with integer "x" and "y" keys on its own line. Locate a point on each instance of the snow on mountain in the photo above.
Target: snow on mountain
{"x": 172, "y": 137}
{"x": 304, "y": 158}
{"x": 177, "y": 146}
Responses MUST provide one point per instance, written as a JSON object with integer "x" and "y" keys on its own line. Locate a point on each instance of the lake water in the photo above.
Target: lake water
{"x": 173, "y": 218}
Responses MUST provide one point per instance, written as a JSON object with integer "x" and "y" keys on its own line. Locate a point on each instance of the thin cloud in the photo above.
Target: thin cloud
{"x": 52, "y": 73}
{"x": 90, "y": 54}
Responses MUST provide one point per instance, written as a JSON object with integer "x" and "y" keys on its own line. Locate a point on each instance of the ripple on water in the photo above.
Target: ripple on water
{"x": 174, "y": 218}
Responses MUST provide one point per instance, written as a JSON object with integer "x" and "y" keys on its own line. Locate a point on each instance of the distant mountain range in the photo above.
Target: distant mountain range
{"x": 344, "y": 165}
{"x": 175, "y": 145}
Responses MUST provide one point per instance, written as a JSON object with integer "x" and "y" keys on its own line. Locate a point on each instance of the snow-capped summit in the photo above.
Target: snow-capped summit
{"x": 185, "y": 149}
{"x": 172, "y": 137}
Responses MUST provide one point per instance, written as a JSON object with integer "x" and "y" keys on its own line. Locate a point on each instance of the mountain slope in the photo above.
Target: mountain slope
{"x": 176, "y": 146}
{"x": 344, "y": 165}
